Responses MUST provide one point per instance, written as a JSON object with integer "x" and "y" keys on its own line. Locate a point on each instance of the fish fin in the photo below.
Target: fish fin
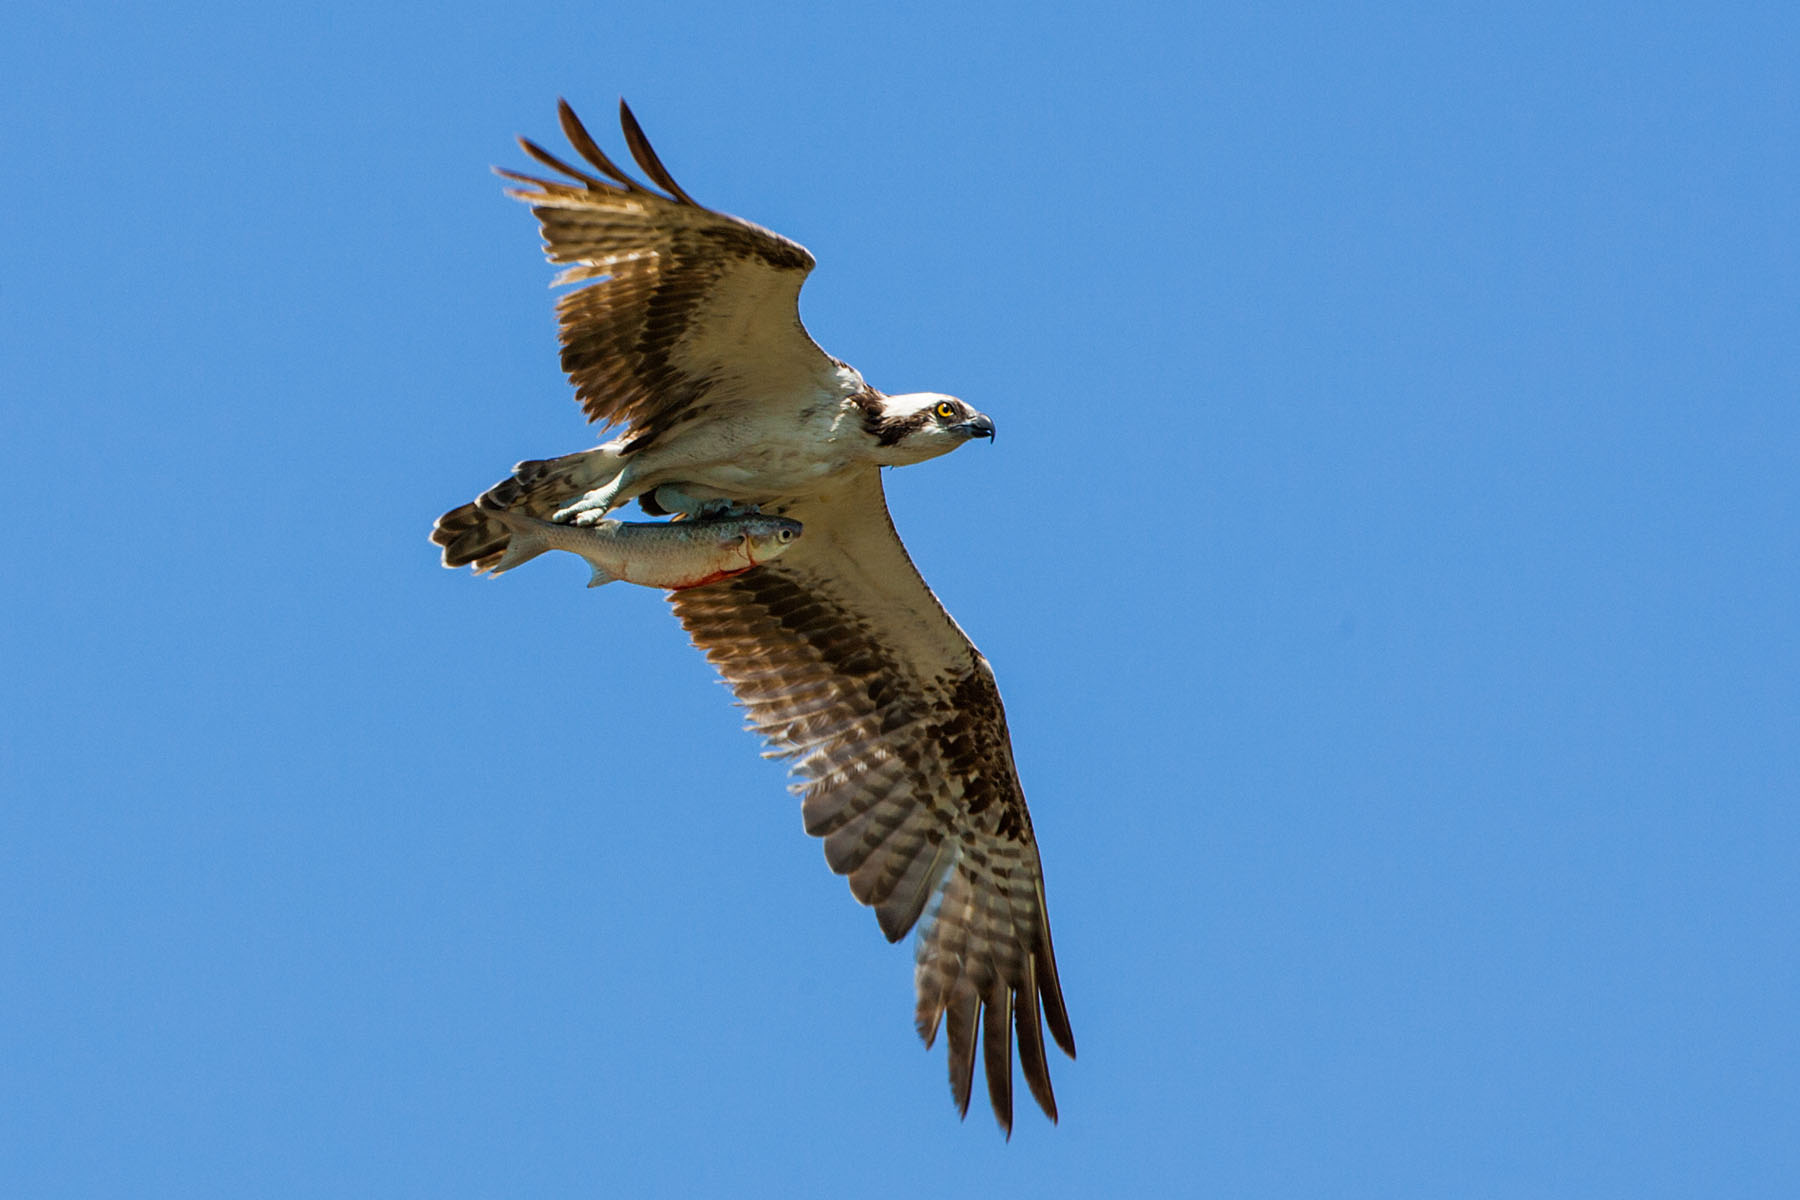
{"x": 523, "y": 542}
{"x": 601, "y": 575}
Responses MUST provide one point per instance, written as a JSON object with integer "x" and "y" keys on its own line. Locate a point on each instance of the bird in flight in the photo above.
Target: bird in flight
{"x": 684, "y": 339}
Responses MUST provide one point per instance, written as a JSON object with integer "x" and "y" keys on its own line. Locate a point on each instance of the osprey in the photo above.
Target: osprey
{"x": 686, "y": 338}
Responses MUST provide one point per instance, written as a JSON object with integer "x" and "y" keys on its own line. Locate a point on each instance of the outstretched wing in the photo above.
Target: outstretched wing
{"x": 687, "y": 311}
{"x": 849, "y": 666}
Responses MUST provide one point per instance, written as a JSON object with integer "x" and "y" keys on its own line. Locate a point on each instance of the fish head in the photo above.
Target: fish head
{"x": 767, "y": 537}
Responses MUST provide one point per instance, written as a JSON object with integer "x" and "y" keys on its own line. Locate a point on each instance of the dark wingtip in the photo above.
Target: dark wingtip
{"x": 588, "y": 148}
{"x": 646, "y": 156}
{"x": 556, "y": 164}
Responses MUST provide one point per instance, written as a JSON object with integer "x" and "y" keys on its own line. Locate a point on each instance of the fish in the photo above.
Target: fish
{"x": 659, "y": 554}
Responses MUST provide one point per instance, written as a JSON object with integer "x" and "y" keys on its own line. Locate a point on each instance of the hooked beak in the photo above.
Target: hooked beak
{"x": 980, "y": 425}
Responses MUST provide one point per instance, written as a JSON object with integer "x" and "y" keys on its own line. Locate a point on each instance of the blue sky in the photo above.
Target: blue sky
{"x": 1388, "y": 558}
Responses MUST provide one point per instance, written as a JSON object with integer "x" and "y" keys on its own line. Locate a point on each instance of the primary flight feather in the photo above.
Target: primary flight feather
{"x": 685, "y": 336}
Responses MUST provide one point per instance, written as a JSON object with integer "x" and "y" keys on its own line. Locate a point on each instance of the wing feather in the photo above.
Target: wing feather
{"x": 556, "y": 164}
{"x": 912, "y": 892}
{"x": 680, "y": 311}
{"x": 996, "y": 1053}
{"x": 847, "y": 665}
{"x": 588, "y": 148}
{"x": 1032, "y": 1063}
{"x": 645, "y": 155}
{"x": 962, "y": 1019}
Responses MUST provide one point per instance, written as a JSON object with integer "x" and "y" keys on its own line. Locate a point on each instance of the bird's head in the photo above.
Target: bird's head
{"x": 920, "y": 425}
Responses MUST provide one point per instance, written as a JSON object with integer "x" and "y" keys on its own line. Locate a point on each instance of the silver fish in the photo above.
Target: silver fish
{"x": 660, "y": 554}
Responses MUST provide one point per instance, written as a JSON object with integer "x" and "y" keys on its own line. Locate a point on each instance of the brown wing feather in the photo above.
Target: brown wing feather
{"x": 846, "y": 663}
{"x": 645, "y": 154}
{"x": 683, "y": 308}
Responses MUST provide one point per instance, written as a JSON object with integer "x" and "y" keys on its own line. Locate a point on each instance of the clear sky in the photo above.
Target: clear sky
{"x": 1388, "y": 556}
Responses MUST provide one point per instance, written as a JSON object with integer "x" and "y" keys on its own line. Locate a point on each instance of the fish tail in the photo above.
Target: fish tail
{"x": 524, "y": 542}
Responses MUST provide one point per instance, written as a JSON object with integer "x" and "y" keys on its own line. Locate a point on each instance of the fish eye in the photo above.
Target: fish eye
{"x": 784, "y": 535}
{"x": 945, "y": 409}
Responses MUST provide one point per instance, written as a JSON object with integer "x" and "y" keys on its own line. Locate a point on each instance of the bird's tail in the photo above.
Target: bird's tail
{"x": 474, "y": 534}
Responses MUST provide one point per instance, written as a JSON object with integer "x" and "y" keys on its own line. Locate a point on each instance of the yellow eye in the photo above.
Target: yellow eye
{"x": 945, "y": 409}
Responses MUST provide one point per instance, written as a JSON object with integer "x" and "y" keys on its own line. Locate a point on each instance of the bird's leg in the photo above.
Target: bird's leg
{"x": 592, "y": 507}
{"x": 673, "y": 498}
